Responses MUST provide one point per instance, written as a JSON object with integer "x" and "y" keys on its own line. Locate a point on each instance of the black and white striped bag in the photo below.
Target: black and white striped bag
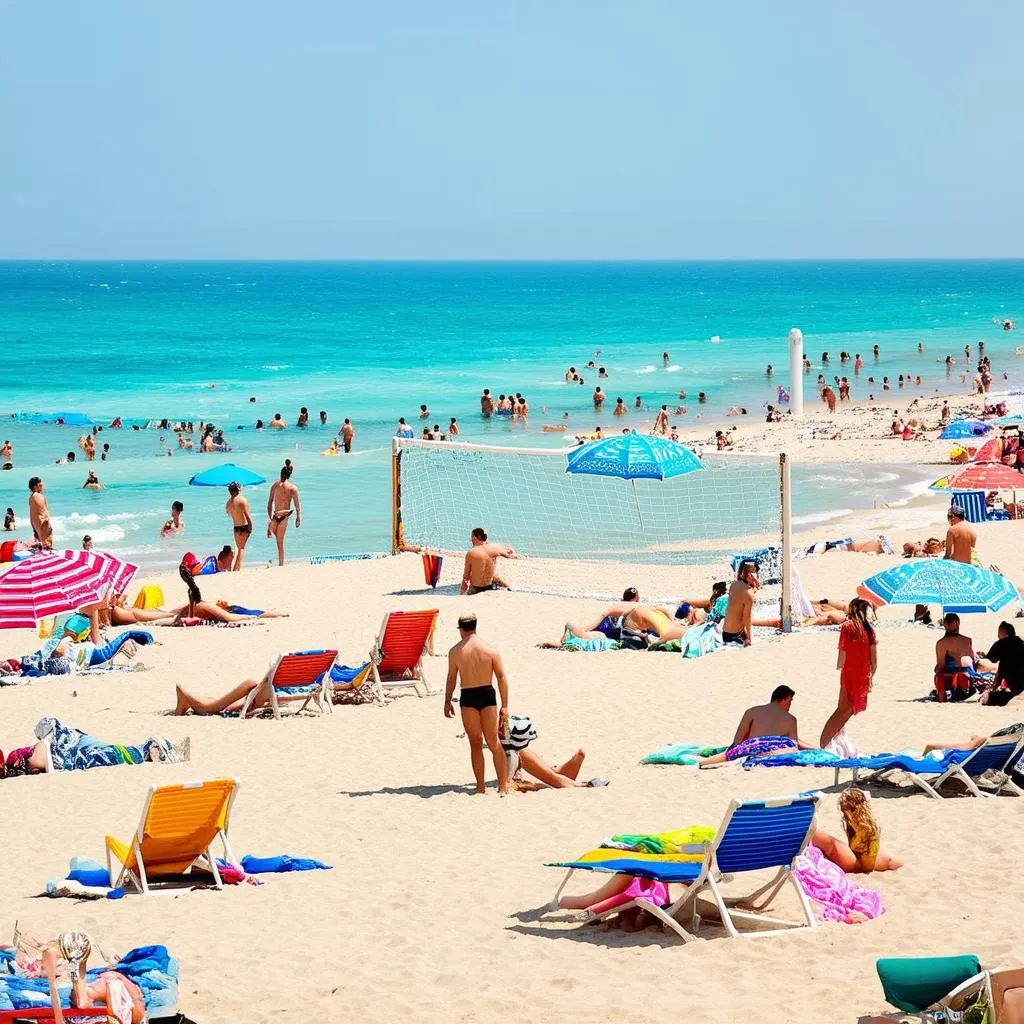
{"x": 521, "y": 733}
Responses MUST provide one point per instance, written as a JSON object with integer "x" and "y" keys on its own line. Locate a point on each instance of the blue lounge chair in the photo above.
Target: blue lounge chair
{"x": 753, "y": 836}
{"x": 996, "y": 753}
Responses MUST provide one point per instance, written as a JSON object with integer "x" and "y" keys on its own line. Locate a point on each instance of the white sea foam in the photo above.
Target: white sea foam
{"x": 674, "y": 368}
{"x": 647, "y": 369}
{"x": 821, "y": 517}
{"x": 276, "y": 366}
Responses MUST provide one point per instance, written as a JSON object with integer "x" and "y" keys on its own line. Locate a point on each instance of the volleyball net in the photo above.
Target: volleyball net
{"x": 524, "y": 497}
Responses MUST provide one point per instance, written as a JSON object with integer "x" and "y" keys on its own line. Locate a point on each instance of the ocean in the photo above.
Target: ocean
{"x": 374, "y": 341}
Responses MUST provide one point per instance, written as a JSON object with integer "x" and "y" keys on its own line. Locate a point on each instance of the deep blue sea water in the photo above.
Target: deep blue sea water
{"x": 372, "y": 341}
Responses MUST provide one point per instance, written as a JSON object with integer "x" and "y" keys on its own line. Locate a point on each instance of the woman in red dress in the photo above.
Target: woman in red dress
{"x": 858, "y": 658}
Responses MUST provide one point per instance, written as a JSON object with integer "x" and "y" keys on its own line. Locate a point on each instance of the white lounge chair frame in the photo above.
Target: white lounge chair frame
{"x": 418, "y": 683}
{"x": 711, "y": 877}
{"x": 321, "y": 696}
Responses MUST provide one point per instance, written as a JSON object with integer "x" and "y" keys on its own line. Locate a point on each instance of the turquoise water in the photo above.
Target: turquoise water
{"x": 373, "y": 341}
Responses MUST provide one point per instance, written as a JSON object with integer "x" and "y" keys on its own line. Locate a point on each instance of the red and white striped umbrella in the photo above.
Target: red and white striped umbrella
{"x": 987, "y": 476}
{"x": 52, "y": 582}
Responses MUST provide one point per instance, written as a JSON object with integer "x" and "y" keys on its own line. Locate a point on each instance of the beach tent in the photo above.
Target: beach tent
{"x": 959, "y": 429}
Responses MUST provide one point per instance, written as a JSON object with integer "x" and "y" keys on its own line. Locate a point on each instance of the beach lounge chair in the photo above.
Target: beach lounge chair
{"x": 397, "y": 654}
{"x": 753, "y": 836}
{"x": 918, "y": 983}
{"x": 301, "y": 676}
{"x": 996, "y": 753}
{"x": 344, "y": 684}
{"x": 178, "y": 827}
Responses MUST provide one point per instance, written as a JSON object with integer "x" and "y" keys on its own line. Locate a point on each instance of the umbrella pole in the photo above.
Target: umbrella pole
{"x": 639, "y": 514}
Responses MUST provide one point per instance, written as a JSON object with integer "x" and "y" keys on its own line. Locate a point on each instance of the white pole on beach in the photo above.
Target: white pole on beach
{"x": 796, "y": 372}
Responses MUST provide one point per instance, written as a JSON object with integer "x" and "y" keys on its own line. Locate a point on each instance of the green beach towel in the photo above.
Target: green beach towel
{"x": 681, "y": 753}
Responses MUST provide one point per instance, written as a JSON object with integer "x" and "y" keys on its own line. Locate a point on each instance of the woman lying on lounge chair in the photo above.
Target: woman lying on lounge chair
{"x": 122, "y": 998}
{"x": 230, "y": 703}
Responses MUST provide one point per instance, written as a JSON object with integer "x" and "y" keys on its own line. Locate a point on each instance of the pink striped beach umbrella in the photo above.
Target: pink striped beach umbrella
{"x": 52, "y": 582}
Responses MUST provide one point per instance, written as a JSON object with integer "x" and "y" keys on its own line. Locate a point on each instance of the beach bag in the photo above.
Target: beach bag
{"x": 521, "y": 733}
{"x": 633, "y": 639}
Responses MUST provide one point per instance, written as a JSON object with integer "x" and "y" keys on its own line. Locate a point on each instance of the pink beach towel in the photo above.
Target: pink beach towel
{"x": 835, "y": 897}
{"x": 639, "y": 889}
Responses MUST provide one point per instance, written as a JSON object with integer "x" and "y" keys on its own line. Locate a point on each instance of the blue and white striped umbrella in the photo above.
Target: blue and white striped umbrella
{"x": 954, "y": 585}
{"x": 633, "y": 457}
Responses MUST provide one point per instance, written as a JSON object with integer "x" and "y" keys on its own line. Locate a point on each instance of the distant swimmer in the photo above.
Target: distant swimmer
{"x": 404, "y": 430}
{"x": 283, "y": 495}
{"x": 602, "y": 373}
{"x": 277, "y": 423}
{"x": 453, "y": 428}
{"x": 323, "y": 417}
{"x": 303, "y": 420}
{"x": 333, "y": 449}
{"x": 638, "y": 403}
{"x": 620, "y": 408}
{"x": 92, "y": 482}
{"x": 39, "y": 513}
{"x": 487, "y": 403}
{"x": 824, "y": 357}
{"x": 701, "y": 397}
{"x": 10, "y": 523}
{"x": 875, "y": 351}
{"x": 1008, "y": 325}
{"x": 769, "y": 371}
{"x": 920, "y": 346}
{"x": 348, "y": 433}
{"x": 857, "y": 363}
{"x": 237, "y": 508}
{"x": 661, "y": 421}
{"x": 665, "y": 359}
{"x": 424, "y": 413}
{"x": 599, "y": 397}
{"x": 175, "y": 523}
{"x": 7, "y": 452}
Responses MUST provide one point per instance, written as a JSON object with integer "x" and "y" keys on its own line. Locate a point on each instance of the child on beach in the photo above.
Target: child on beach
{"x": 857, "y": 661}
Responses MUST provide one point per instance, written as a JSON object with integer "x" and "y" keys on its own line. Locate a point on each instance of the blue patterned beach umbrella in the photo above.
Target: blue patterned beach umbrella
{"x": 633, "y": 457}
{"x": 954, "y": 585}
{"x": 958, "y": 430}
{"x": 224, "y": 474}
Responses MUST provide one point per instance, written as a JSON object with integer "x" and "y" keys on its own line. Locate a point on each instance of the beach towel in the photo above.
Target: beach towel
{"x": 277, "y": 865}
{"x": 910, "y": 762}
{"x": 834, "y": 896}
{"x": 686, "y": 842}
{"x": 681, "y": 753}
{"x": 700, "y": 640}
{"x": 345, "y": 673}
{"x": 149, "y": 596}
{"x": 590, "y": 644}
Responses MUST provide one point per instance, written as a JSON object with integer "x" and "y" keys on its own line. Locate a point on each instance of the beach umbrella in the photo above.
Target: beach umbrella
{"x": 959, "y": 429}
{"x": 633, "y": 457}
{"x": 990, "y": 451}
{"x": 224, "y": 474}
{"x": 954, "y": 585}
{"x": 986, "y": 476}
{"x": 52, "y": 582}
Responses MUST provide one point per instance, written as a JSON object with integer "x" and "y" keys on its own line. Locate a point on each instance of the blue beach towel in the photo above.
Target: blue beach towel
{"x": 868, "y": 762}
{"x": 276, "y": 865}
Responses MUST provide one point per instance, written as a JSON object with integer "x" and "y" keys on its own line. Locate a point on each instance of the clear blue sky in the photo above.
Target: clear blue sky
{"x": 510, "y": 129}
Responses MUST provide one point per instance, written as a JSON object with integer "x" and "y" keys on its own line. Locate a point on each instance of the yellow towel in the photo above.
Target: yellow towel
{"x": 150, "y": 596}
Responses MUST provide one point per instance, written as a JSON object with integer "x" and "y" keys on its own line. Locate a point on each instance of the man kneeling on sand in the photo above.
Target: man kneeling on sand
{"x": 480, "y": 571}
{"x": 766, "y": 729}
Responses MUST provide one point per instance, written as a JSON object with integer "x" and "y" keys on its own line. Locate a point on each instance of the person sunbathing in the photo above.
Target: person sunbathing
{"x": 521, "y": 758}
{"x": 629, "y": 614}
{"x": 878, "y": 545}
{"x": 860, "y": 853}
{"x": 230, "y": 703}
{"x": 974, "y": 742}
{"x": 122, "y": 997}
{"x": 197, "y": 608}
{"x": 930, "y": 548}
{"x": 66, "y": 653}
{"x": 765, "y": 729}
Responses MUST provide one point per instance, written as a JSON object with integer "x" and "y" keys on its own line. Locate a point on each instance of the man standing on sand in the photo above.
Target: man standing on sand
{"x": 736, "y": 629}
{"x": 481, "y": 561}
{"x": 473, "y": 664}
{"x": 348, "y": 432}
{"x": 283, "y": 495}
{"x": 961, "y": 537}
{"x": 661, "y": 422}
{"x": 39, "y": 513}
{"x": 238, "y": 512}
{"x": 767, "y": 729}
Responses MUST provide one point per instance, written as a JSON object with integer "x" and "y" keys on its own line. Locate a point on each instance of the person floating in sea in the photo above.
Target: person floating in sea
{"x": 7, "y": 452}
{"x": 303, "y": 420}
{"x": 175, "y": 523}
{"x": 283, "y": 495}
{"x": 92, "y": 482}
{"x": 472, "y": 665}
{"x": 323, "y": 417}
{"x": 666, "y": 362}
{"x": 620, "y": 408}
{"x": 278, "y": 423}
{"x": 479, "y": 570}
{"x": 237, "y": 509}
{"x": 424, "y": 413}
{"x": 39, "y": 513}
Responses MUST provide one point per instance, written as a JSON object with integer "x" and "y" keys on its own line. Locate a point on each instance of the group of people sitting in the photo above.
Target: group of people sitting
{"x": 996, "y": 674}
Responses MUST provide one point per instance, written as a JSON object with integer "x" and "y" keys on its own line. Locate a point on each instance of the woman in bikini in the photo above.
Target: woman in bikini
{"x": 283, "y": 494}
{"x": 197, "y": 608}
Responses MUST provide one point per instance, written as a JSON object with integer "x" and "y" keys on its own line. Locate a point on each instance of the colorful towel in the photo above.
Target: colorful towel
{"x": 276, "y": 865}
{"x": 834, "y": 896}
{"x": 873, "y": 762}
{"x": 681, "y": 753}
{"x": 688, "y": 841}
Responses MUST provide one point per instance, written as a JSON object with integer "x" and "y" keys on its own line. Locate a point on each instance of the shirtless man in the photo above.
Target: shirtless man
{"x": 39, "y": 513}
{"x": 736, "y": 628}
{"x": 473, "y": 664}
{"x": 961, "y": 537}
{"x": 487, "y": 404}
{"x": 599, "y": 397}
{"x": 952, "y": 647}
{"x": 348, "y": 432}
{"x": 481, "y": 560}
{"x": 175, "y": 523}
{"x": 283, "y": 495}
{"x": 237, "y": 508}
{"x": 770, "y": 723}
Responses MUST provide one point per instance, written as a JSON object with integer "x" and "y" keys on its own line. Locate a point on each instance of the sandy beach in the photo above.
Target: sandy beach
{"x": 433, "y": 908}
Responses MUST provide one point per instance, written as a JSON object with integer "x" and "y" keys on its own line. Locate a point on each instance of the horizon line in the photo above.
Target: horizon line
{"x": 512, "y": 259}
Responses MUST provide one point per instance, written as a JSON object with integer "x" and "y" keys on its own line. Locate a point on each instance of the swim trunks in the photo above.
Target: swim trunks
{"x": 244, "y": 529}
{"x": 732, "y": 638}
{"x": 612, "y": 628}
{"x": 481, "y": 590}
{"x": 758, "y": 746}
{"x": 479, "y": 697}
{"x": 280, "y": 517}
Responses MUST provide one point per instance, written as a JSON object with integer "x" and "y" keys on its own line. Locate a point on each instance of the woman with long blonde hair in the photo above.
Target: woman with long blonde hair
{"x": 856, "y": 662}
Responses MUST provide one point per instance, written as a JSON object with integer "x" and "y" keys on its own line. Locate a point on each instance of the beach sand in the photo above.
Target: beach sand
{"x": 433, "y": 908}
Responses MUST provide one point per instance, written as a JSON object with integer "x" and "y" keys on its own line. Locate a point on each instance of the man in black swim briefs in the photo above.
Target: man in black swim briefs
{"x": 237, "y": 508}
{"x": 472, "y": 665}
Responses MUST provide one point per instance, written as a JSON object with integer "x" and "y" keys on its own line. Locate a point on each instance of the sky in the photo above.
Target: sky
{"x": 510, "y": 129}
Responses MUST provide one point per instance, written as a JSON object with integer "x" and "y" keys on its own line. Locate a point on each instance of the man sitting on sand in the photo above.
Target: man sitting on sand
{"x": 766, "y": 729}
{"x": 479, "y": 573}
{"x": 961, "y": 538}
{"x": 1006, "y": 659}
{"x": 472, "y": 665}
{"x": 955, "y": 660}
{"x": 737, "y": 627}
